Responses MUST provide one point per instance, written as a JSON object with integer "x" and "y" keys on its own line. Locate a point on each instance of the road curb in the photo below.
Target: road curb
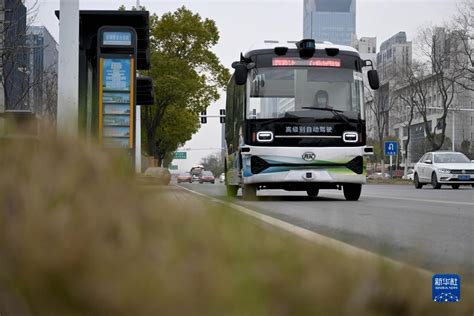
{"x": 314, "y": 237}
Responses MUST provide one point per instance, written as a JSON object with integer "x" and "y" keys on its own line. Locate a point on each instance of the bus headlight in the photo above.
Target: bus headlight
{"x": 350, "y": 137}
{"x": 265, "y": 137}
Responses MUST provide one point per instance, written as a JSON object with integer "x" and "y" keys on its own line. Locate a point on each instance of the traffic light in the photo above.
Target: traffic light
{"x": 145, "y": 94}
{"x": 203, "y": 117}
{"x": 222, "y": 116}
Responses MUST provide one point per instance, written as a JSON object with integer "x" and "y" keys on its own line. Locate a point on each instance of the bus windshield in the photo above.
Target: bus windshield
{"x": 276, "y": 91}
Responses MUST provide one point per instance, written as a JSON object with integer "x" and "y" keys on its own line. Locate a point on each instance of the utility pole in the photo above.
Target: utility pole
{"x": 68, "y": 77}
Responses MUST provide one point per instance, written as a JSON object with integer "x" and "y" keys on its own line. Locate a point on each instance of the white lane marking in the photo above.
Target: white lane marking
{"x": 315, "y": 237}
{"x": 406, "y": 199}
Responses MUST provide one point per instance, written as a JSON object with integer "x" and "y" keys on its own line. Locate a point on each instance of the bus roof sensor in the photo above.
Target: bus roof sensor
{"x": 307, "y": 47}
{"x": 332, "y": 51}
{"x": 281, "y": 51}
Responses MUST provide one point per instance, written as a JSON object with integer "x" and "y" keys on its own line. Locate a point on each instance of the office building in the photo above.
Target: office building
{"x": 330, "y": 20}
{"x": 395, "y": 55}
{"x": 43, "y": 67}
{"x": 14, "y": 79}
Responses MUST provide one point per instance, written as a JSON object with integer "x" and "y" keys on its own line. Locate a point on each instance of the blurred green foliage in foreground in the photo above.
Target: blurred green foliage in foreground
{"x": 77, "y": 237}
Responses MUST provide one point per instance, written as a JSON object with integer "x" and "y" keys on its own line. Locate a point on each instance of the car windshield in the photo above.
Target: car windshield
{"x": 451, "y": 158}
{"x": 276, "y": 91}
{"x": 207, "y": 173}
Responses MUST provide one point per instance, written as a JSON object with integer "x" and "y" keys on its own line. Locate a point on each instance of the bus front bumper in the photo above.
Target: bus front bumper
{"x": 300, "y": 165}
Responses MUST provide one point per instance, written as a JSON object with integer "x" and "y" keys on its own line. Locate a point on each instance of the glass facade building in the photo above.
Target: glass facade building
{"x": 330, "y": 20}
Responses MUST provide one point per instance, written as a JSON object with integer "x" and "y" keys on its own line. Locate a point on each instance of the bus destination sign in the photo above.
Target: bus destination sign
{"x": 312, "y": 62}
{"x": 117, "y": 38}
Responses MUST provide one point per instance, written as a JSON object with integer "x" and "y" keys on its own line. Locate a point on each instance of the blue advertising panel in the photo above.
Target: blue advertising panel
{"x": 116, "y": 110}
{"x": 116, "y": 75}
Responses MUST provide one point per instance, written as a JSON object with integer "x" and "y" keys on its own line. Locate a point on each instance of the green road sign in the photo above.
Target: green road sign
{"x": 180, "y": 155}
{"x": 174, "y": 167}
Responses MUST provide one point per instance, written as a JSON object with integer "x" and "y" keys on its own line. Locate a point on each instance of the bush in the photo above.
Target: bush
{"x": 78, "y": 237}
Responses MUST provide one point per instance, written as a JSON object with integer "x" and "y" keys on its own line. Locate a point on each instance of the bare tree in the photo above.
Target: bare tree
{"x": 50, "y": 94}
{"x": 463, "y": 33}
{"x": 213, "y": 163}
{"x": 442, "y": 52}
{"x": 379, "y": 104}
{"x": 410, "y": 97}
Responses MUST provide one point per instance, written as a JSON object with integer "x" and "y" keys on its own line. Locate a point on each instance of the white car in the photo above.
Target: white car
{"x": 222, "y": 178}
{"x": 410, "y": 175}
{"x": 444, "y": 168}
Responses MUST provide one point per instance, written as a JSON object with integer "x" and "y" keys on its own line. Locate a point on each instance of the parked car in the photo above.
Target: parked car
{"x": 410, "y": 175}
{"x": 222, "y": 178}
{"x": 444, "y": 168}
{"x": 184, "y": 177}
{"x": 378, "y": 175}
{"x": 207, "y": 176}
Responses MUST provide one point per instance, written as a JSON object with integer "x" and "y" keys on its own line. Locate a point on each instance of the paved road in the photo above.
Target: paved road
{"x": 433, "y": 229}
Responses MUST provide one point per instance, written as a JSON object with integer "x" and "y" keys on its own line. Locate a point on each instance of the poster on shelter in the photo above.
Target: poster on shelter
{"x": 116, "y": 75}
{"x": 116, "y": 97}
{"x": 116, "y": 132}
{"x": 117, "y": 109}
{"x": 116, "y": 142}
{"x": 116, "y": 120}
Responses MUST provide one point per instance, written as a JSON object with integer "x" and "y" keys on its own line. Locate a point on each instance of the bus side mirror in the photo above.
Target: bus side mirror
{"x": 240, "y": 74}
{"x": 373, "y": 79}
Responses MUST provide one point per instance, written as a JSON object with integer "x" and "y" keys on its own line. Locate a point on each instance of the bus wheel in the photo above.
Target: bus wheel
{"x": 352, "y": 191}
{"x": 249, "y": 192}
{"x": 232, "y": 190}
{"x": 313, "y": 192}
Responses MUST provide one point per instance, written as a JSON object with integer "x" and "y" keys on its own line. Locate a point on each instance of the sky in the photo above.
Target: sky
{"x": 245, "y": 23}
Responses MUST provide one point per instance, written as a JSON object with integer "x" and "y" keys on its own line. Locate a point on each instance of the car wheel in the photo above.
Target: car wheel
{"x": 434, "y": 181}
{"x": 249, "y": 192}
{"x": 232, "y": 190}
{"x": 352, "y": 191}
{"x": 417, "y": 183}
{"x": 313, "y": 192}
{"x": 456, "y": 186}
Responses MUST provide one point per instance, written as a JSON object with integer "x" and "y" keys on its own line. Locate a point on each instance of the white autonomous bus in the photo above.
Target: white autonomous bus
{"x": 295, "y": 120}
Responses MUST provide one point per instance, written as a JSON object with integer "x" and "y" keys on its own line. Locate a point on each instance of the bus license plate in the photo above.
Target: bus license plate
{"x": 464, "y": 178}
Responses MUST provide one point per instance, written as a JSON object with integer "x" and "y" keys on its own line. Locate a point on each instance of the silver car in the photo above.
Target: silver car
{"x": 444, "y": 168}
{"x": 410, "y": 175}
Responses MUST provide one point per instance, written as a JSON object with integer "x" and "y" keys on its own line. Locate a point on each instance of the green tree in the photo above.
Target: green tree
{"x": 124, "y": 8}
{"x": 187, "y": 76}
{"x": 175, "y": 130}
